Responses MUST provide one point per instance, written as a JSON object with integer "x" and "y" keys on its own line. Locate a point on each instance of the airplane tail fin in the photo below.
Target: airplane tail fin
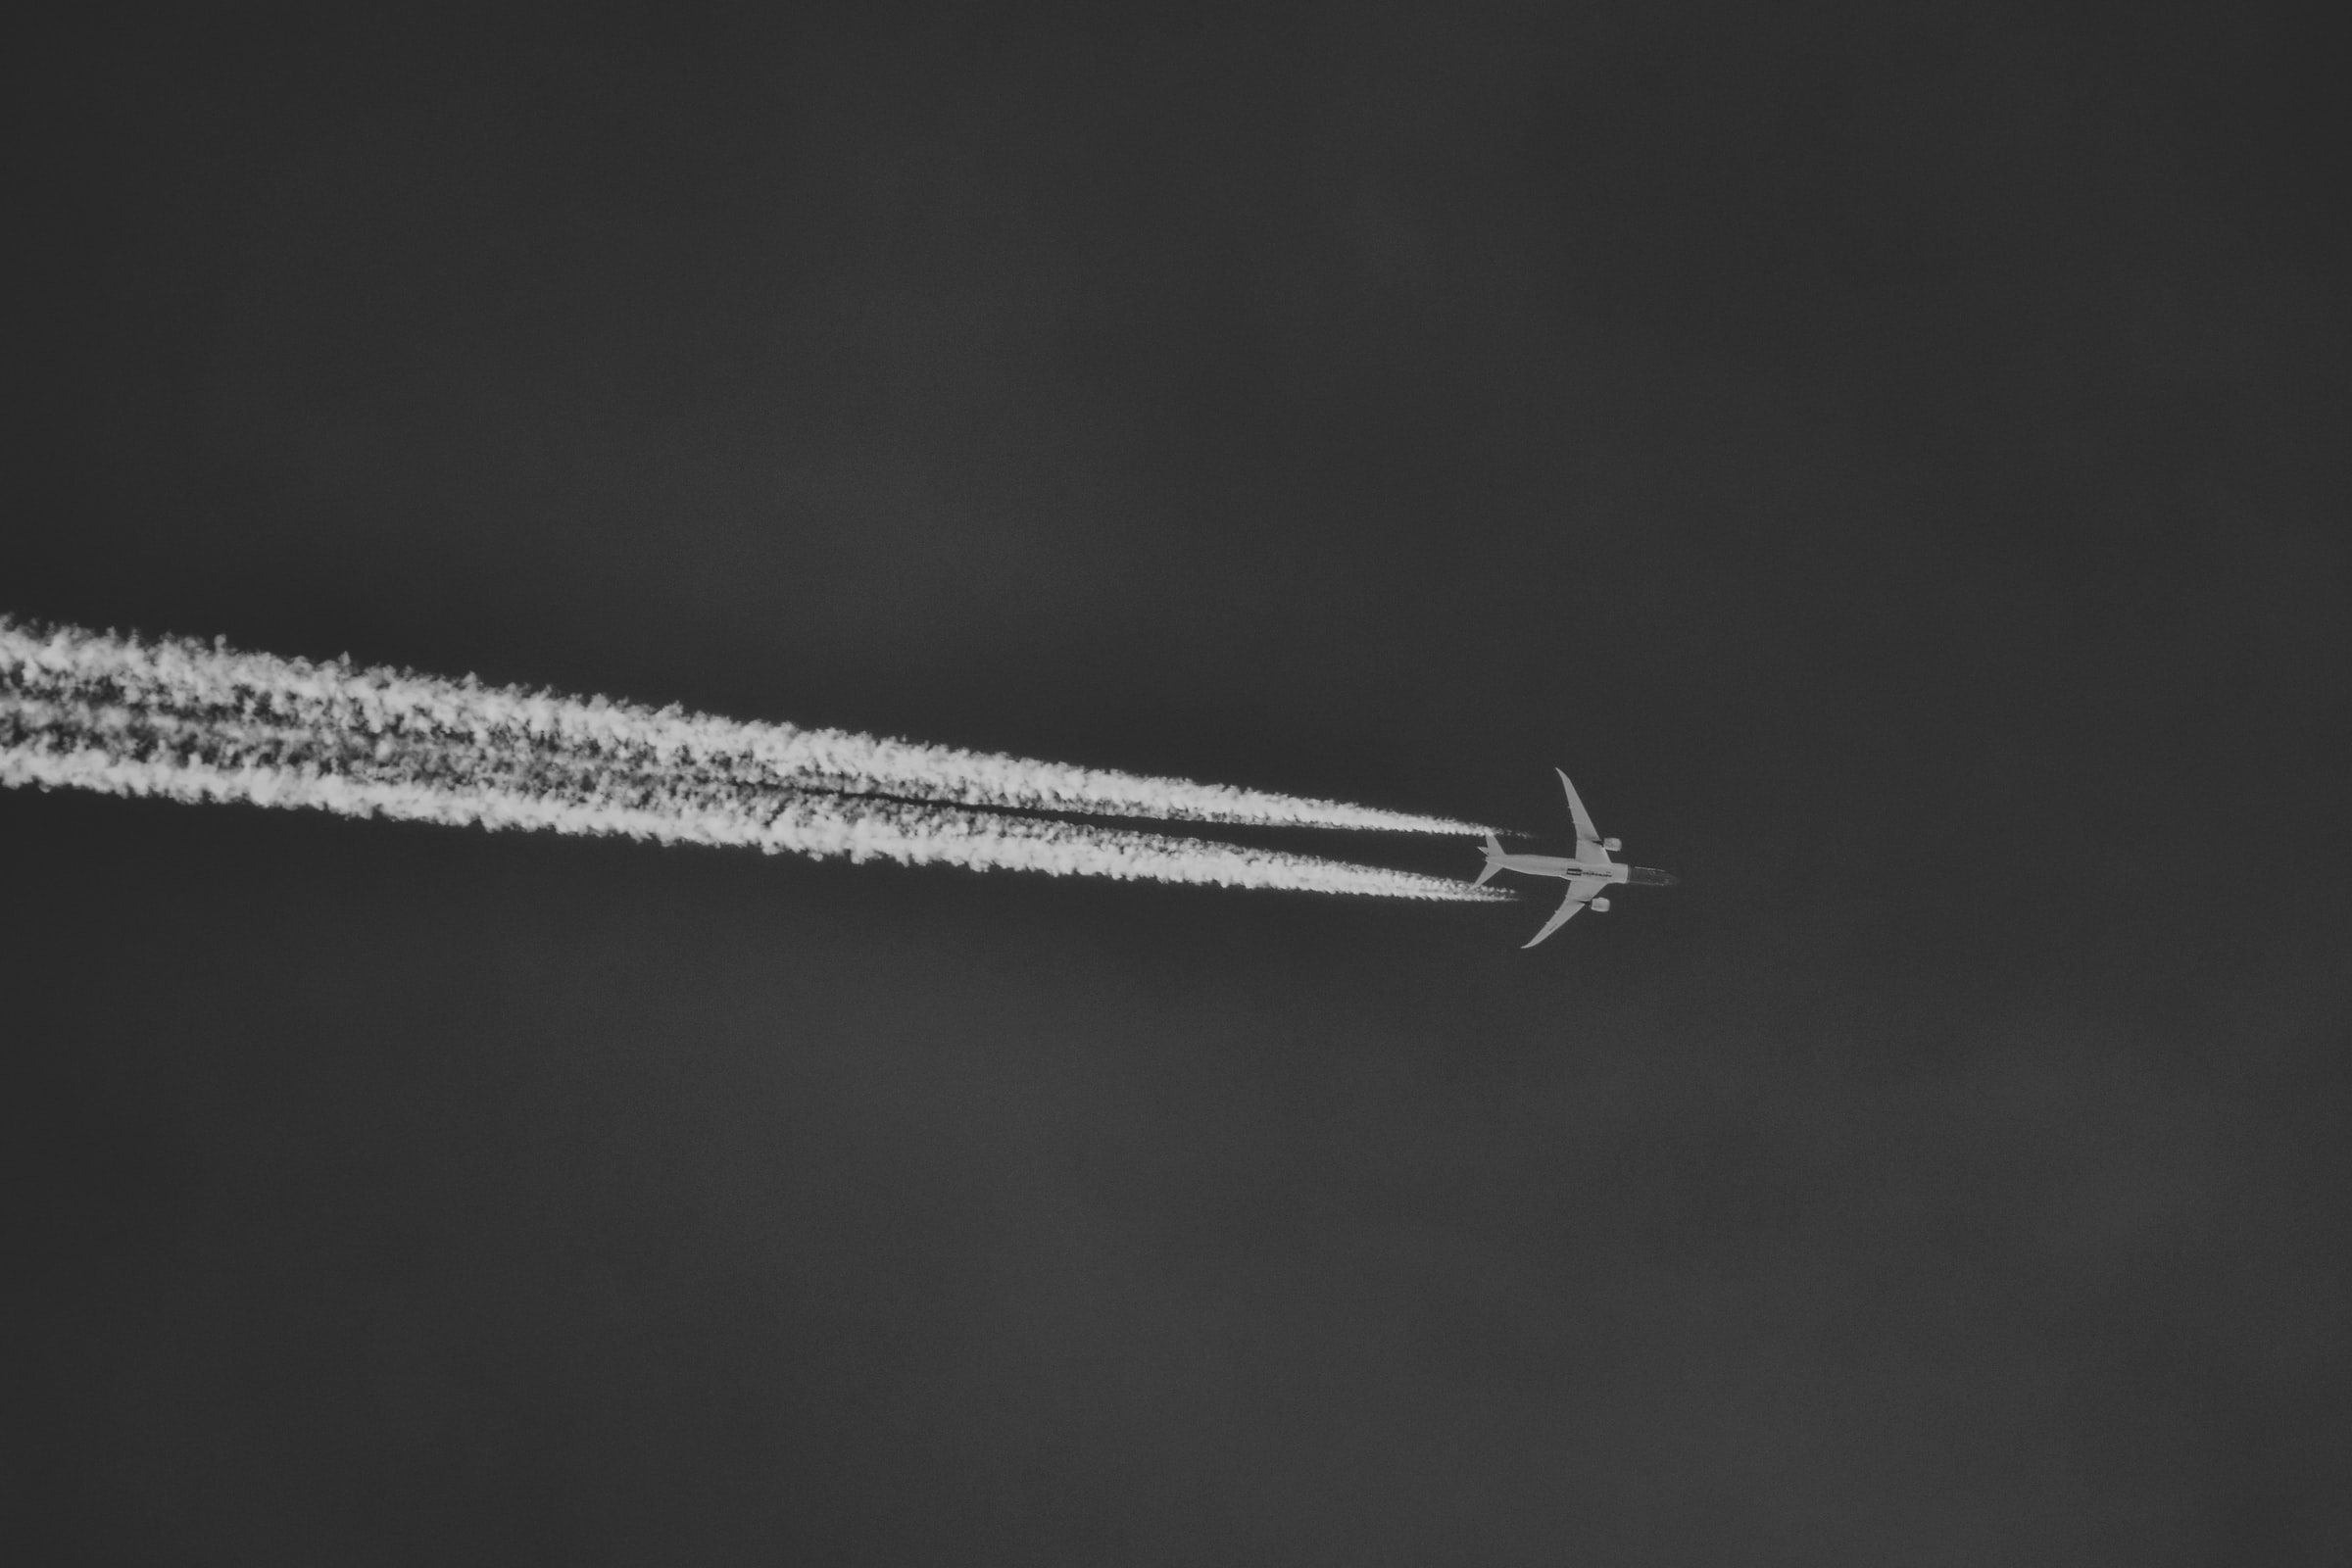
{"x": 1494, "y": 861}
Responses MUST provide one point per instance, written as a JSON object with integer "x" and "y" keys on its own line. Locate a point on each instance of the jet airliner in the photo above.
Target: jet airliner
{"x": 1589, "y": 871}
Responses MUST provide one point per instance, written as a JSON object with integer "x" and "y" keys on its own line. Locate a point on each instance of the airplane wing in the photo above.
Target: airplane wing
{"x": 1580, "y": 890}
{"x": 1586, "y": 832}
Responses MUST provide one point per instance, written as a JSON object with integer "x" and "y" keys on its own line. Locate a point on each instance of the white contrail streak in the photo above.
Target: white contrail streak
{"x": 180, "y": 675}
{"x": 184, "y": 722}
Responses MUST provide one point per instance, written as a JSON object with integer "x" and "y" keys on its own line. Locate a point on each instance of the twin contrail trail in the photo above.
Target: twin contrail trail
{"x": 191, "y": 721}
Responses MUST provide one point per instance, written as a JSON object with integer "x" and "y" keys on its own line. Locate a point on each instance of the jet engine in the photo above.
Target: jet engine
{"x": 1601, "y": 904}
{"x": 1611, "y": 844}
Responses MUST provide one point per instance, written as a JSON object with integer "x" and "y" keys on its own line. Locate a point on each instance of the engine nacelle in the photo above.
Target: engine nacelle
{"x": 1612, "y": 844}
{"x": 1601, "y": 904}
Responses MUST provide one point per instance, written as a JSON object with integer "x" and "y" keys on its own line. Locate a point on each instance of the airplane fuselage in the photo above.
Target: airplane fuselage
{"x": 1562, "y": 866}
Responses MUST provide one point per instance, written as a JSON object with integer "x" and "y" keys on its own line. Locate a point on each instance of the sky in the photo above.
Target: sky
{"x": 1890, "y": 456}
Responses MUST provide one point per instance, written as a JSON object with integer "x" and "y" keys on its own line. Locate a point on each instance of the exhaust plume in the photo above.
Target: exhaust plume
{"x": 183, "y": 722}
{"x": 180, "y": 675}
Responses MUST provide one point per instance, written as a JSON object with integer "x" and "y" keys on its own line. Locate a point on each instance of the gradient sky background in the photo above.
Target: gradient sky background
{"x": 1893, "y": 457}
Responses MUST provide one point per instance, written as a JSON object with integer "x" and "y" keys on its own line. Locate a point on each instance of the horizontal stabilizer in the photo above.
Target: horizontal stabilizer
{"x": 1493, "y": 862}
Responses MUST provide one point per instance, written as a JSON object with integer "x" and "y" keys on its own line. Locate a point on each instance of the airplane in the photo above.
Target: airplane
{"x": 1589, "y": 873}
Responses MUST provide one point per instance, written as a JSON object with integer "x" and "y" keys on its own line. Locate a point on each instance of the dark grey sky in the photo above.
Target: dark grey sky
{"x": 1893, "y": 457}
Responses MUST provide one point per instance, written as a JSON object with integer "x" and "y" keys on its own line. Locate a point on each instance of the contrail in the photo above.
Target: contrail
{"x": 186, "y": 722}
{"x": 184, "y": 677}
